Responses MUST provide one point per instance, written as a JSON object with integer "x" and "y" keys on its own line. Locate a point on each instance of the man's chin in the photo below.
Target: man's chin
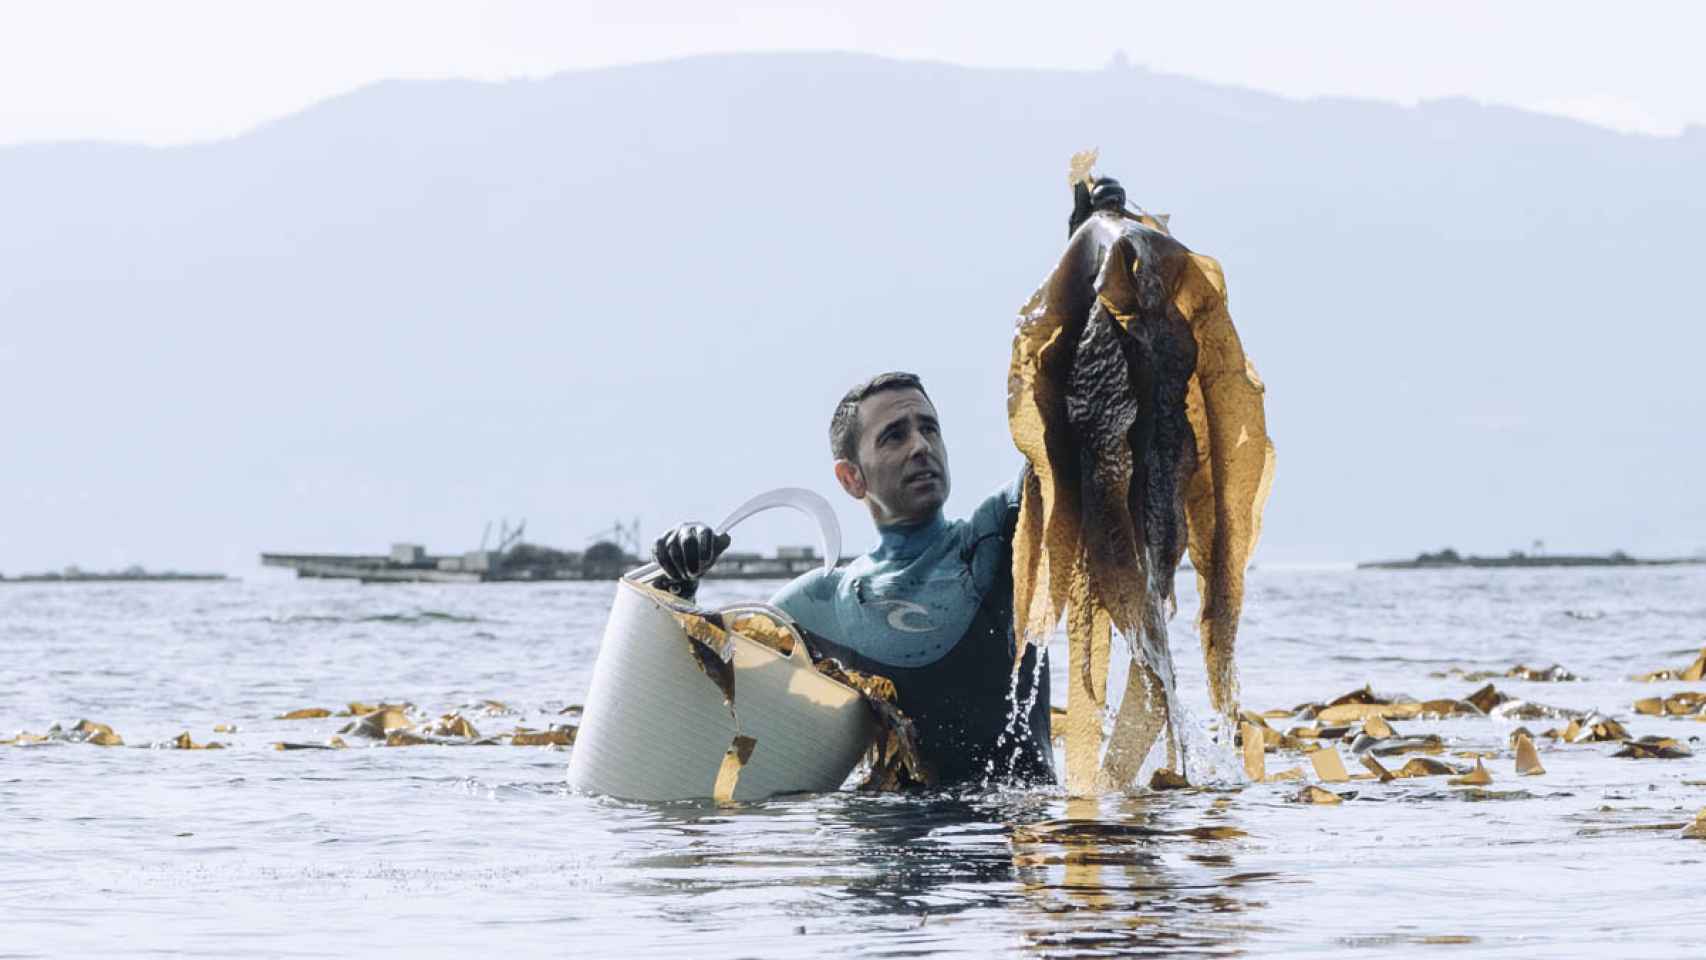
{"x": 924, "y": 503}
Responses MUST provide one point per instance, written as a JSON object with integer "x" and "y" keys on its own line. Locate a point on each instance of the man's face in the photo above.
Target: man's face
{"x": 903, "y": 463}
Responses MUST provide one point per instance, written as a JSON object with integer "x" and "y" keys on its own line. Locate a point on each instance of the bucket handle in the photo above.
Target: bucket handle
{"x": 796, "y": 498}
{"x": 797, "y": 652}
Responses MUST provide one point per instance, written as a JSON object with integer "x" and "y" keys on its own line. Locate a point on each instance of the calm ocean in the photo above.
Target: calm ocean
{"x": 463, "y": 851}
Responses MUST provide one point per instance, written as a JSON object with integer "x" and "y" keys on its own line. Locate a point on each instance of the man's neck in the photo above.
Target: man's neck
{"x": 903, "y": 541}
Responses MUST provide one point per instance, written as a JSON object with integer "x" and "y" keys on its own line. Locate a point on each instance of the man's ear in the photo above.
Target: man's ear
{"x": 851, "y": 478}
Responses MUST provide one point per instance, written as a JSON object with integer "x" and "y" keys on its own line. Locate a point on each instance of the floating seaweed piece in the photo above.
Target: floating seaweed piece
{"x": 1378, "y": 728}
{"x": 1592, "y": 728}
{"x": 1684, "y": 704}
{"x": 1486, "y": 698}
{"x": 1165, "y": 779}
{"x": 1361, "y": 712}
{"x": 1697, "y": 829}
{"x": 1254, "y": 743}
{"x": 306, "y": 713}
{"x": 183, "y": 742}
{"x": 1478, "y": 794}
{"x": 1527, "y": 758}
{"x": 1363, "y": 694}
{"x": 1693, "y": 672}
{"x": 1419, "y": 743}
{"x": 357, "y": 708}
{"x": 334, "y": 743}
{"x": 455, "y": 725}
{"x": 1294, "y": 773}
{"x": 728, "y": 774}
{"x": 379, "y": 724}
{"x": 1318, "y": 795}
{"x": 1553, "y": 674}
{"x": 26, "y": 739}
{"x": 225, "y": 728}
{"x": 556, "y": 736}
{"x": 1141, "y": 417}
{"x": 1478, "y": 777}
{"x": 404, "y": 738}
{"x": 1329, "y": 766}
{"x": 1448, "y": 707}
{"x": 99, "y": 734}
{"x": 1426, "y": 767}
{"x": 1319, "y": 733}
{"x": 1513, "y": 709}
{"x": 1377, "y": 768}
{"x": 1654, "y": 748}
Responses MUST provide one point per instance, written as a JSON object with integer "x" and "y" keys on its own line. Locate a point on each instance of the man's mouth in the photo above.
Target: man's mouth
{"x": 922, "y": 475}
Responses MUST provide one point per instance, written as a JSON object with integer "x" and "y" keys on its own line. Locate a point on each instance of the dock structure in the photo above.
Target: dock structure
{"x": 522, "y": 562}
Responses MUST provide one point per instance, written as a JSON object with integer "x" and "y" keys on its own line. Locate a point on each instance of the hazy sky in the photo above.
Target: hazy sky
{"x": 181, "y": 70}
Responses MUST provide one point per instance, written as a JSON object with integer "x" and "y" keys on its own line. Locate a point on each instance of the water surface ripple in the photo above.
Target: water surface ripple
{"x": 469, "y": 851}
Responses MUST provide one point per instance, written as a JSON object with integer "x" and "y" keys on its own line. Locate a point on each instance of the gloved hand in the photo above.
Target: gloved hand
{"x": 1103, "y": 194}
{"x": 685, "y": 553}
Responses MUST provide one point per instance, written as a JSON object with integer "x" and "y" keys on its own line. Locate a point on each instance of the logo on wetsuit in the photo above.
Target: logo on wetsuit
{"x": 900, "y": 610}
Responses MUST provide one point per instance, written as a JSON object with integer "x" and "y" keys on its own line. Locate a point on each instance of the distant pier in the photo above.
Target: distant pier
{"x": 523, "y": 562}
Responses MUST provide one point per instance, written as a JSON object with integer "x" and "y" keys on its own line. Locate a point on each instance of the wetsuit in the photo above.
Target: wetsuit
{"x": 931, "y": 608}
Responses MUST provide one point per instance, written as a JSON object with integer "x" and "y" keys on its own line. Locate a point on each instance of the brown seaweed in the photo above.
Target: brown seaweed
{"x": 1131, "y": 397}
{"x": 556, "y": 736}
{"x": 1693, "y": 672}
{"x": 712, "y": 650}
{"x": 1654, "y": 748}
{"x": 1527, "y": 758}
{"x": 728, "y": 773}
{"x": 1318, "y": 795}
{"x": 893, "y": 757}
{"x": 306, "y": 713}
{"x": 1478, "y": 777}
{"x": 1329, "y": 766}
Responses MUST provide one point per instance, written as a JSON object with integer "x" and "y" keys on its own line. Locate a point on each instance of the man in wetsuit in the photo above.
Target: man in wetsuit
{"x": 931, "y": 608}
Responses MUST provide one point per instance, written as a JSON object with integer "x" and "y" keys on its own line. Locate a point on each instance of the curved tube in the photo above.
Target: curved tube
{"x": 797, "y": 498}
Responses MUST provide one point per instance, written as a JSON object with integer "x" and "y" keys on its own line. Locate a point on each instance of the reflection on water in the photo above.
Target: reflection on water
{"x": 1138, "y": 876}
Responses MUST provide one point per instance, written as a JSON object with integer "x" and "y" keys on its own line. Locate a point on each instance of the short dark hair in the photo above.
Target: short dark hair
{"x": 844, "y": 425}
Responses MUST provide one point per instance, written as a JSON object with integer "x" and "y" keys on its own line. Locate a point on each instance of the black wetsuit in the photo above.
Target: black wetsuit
{"x": 931, "y": 608}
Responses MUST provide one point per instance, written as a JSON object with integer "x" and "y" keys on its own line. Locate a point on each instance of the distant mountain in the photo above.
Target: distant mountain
{"x": 640, "y": 290}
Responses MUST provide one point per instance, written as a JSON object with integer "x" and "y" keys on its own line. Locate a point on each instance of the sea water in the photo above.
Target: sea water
{"x": 465, "y": 851}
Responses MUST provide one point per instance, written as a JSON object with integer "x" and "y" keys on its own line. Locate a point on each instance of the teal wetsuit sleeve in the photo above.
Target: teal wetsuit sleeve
{"x": 991, "y": 516}
{"x": 810, "y": 600}
{"x": 993, "y": 520}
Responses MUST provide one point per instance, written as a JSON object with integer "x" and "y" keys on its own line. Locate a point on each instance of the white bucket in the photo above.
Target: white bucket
{"x": 656, "y": 728}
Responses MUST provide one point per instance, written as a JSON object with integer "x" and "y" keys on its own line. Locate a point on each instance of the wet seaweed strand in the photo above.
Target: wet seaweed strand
{"x": 1130, "y": 395}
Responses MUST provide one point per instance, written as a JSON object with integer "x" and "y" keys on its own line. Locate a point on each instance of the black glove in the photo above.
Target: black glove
{"x": 1103, "y": 194}
{"x": 684, "y": 554}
